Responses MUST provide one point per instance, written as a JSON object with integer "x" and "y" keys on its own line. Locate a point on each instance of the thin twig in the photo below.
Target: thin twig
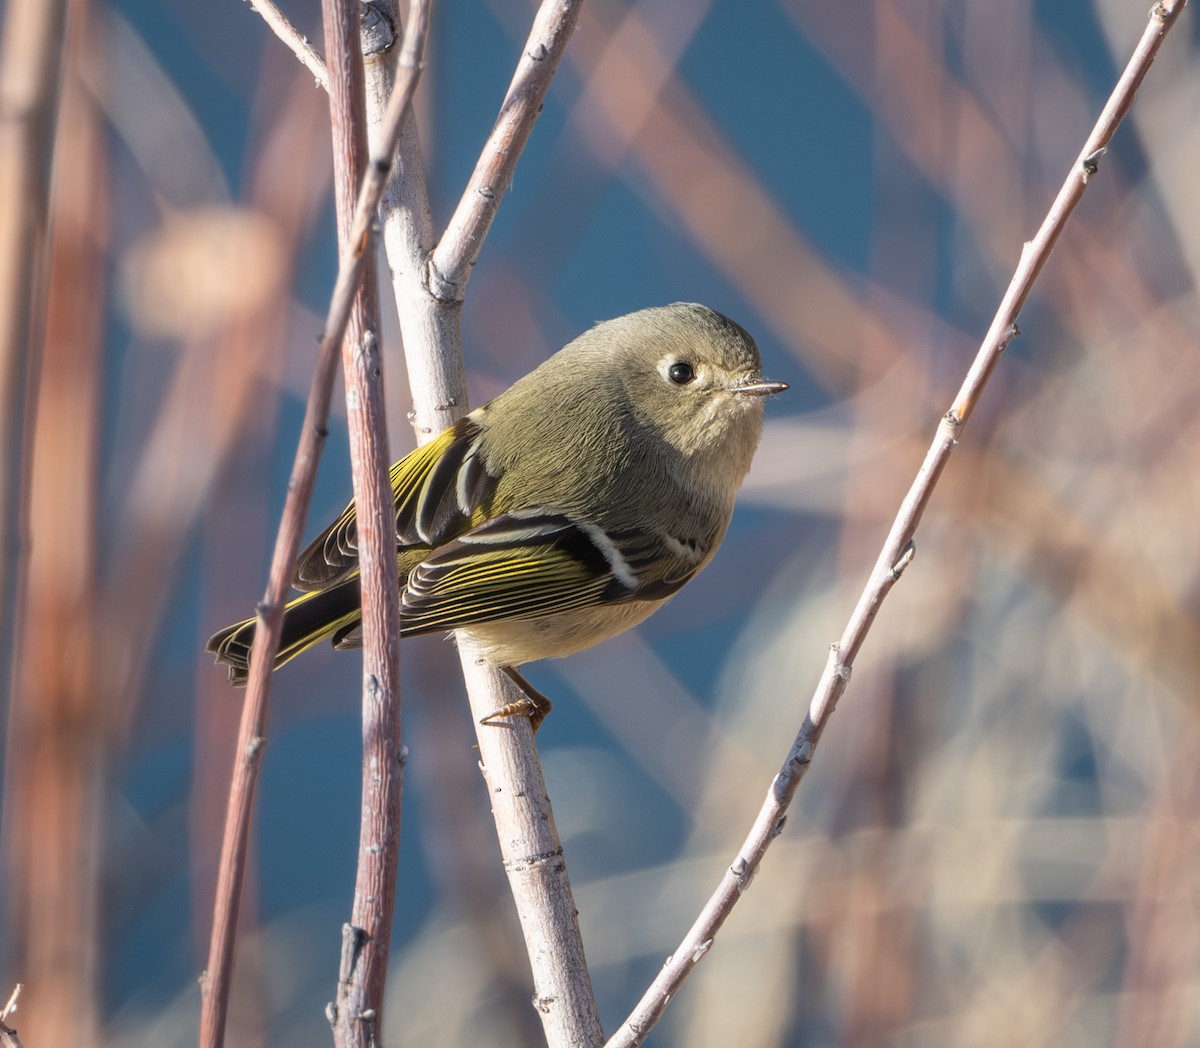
{"x": 898, "y": 549}
{"x": 293, "y": 39}
{"x": 252, "y": 733}
{"x": 8, "y": 1035}
{"x": 358, "y": 1011}
{"x": 10, "y": 1005}
{"x": 455, "y": 256}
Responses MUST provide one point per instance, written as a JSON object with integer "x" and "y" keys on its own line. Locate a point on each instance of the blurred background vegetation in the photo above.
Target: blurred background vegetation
{"x": 999, "y": 840}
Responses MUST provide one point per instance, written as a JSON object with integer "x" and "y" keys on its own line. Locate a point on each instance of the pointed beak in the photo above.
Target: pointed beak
{"x": 757, "y": 387}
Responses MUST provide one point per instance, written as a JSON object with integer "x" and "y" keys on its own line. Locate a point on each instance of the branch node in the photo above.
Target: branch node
{"x": 376, "y": 31}
{"x": 906, "y": 558}
{"x": 1159, "y": 13}
{"x": 353, "y": 941}
{"x": 528, "y": 862}
{"x": 439, "y": 287}
{"x": 743, "y": 873}
{"x": 701, "y": 950}
{"x": 801, "y": 756}
{"x": 1091, "y": 162}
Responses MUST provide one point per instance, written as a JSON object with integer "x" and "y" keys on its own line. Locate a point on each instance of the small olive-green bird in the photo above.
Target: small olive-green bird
{"x": 565, "y": 510}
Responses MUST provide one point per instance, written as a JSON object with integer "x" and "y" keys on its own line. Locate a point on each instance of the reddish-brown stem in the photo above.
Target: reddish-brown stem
{"x": 358, "y": 1009}
{"x": 30, "y": 86}
{"x": 252, "y": 733}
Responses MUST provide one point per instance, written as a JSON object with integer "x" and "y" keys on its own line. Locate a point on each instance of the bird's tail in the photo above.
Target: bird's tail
{"x": 307, "y": 620}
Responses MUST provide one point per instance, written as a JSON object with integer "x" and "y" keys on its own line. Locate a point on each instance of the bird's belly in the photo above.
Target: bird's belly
{"x": 514, "y": 642}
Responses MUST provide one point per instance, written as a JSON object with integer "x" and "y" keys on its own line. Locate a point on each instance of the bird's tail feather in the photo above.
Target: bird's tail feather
{"x": 307, "y": 620}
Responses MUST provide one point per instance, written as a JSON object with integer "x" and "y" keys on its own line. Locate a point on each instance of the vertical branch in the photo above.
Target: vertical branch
{"x": 366, "y": 939}
{"x": 430, "y": 329}
{"x": 30, "y": 81}
{"x": 429, "y": 285}
{"x": 252, "y": 733}
{"x": 59, "y": 719}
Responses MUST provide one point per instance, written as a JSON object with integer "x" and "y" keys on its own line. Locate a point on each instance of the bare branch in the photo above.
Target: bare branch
{"x": 430, "y": 329}
{"x": 533, "y": 859}
{"x": 252, "y": 733}
{"x": 293, "y": 39}
{"x": 358, "y": 1011}
{"x": 30, "y": 86}
{"x": 532, "y": 852}
{"x": 452, "y": 262}
{"x": 433, "y": 348}
{"x": 898, "y": 549}
{"x": 8, "y": 1035}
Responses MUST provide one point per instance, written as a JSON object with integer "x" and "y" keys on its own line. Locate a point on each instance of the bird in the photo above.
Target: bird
{"x": 562, "y": 512}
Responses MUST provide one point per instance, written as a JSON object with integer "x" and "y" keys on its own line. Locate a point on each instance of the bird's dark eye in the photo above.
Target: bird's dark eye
{"x": 681, "y": 373}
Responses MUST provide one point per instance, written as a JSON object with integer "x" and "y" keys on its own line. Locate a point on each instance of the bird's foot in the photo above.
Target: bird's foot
{"x": 532, "y": 703}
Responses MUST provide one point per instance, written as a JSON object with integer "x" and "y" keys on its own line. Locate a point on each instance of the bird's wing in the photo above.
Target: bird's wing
{"x": 441, "y": 490}
{"x": 529, "y": 563}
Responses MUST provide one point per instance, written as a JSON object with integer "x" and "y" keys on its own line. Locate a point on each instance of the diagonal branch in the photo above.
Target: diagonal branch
{"x": 8, "y": 1034}
{"x": 293, "y": 39}
{"x": 455, "y": 256}
{"x": 898, "y": 548}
